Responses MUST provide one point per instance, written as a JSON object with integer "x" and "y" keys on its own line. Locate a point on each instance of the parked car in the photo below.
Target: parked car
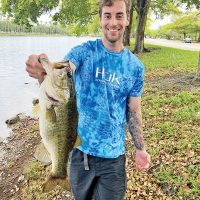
{"x": 188, "y": 40}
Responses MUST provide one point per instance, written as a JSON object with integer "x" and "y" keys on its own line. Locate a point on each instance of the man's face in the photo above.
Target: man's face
{"x": 114, "y": 21}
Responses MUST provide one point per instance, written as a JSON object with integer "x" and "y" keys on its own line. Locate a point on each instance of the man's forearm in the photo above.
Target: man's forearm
{"x": 134, "y": 120}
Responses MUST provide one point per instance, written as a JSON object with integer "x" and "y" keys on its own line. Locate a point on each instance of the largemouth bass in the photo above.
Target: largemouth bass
{"x": 58, "y": 119}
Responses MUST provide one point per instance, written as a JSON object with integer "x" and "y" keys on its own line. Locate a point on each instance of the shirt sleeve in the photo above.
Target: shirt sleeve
{"x": 136, "y": 90}
{"x": 76, "y": 55}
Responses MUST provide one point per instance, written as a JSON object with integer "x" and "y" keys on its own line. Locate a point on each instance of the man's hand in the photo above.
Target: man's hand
{"x": 142, "y": 160}
{"x": 34, "y": 67}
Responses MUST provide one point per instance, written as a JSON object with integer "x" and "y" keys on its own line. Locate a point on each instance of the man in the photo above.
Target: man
{"x": 108, "y": 81}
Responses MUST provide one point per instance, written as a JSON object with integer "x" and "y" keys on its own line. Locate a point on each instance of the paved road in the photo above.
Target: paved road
{"x": 174, "y": 43}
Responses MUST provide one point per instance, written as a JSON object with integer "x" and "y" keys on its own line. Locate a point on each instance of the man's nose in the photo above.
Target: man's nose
{"x": 113, "y": 21}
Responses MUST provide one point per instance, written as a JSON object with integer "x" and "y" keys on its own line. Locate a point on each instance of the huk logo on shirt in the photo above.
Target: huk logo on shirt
{"x": 104, "y": 76}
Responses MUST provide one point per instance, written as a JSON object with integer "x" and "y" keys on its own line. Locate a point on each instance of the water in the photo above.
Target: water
{"x": 17, "y": 89}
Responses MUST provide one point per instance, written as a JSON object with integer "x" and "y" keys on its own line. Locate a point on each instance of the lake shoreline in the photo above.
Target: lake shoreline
{"x": 44, "y": 35}
{"x": 17, "y": 149}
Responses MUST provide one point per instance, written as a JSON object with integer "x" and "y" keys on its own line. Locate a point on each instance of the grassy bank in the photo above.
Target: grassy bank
{"x": 171, "y": 115}
{"x": 166, "y": 57}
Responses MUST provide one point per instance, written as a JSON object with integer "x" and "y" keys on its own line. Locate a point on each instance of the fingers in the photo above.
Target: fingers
{"x": 142, "y": 167}
{"x": 34, "y": 68}
{"x": 142, "y": 161}
{"x": 43, "y": 55}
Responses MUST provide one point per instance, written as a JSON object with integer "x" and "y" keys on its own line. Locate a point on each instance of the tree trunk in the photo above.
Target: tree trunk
{"x": 142, "y": 9}
{"x": 197, "y": 76}
{"x": 127, "y": 34}
{"x": 198, "y": 40}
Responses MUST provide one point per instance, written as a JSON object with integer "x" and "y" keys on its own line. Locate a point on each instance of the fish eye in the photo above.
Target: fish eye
{"x": 69, "y": 75}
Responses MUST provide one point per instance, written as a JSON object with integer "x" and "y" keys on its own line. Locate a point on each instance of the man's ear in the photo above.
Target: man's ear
{"x": 128, "y": 20}
{"x": 100, "y": 21}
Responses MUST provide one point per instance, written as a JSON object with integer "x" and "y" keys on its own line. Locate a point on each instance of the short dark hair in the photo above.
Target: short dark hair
{"x": 103, "y": 3}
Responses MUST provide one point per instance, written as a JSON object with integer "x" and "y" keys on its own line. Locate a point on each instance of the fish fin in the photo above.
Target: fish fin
{"x": 78, "y": 142}
{"x": 52, "y": 182}
{"x": 64, "y": 183}
{"x": 36, "y": 110}
{"x": 41, "y": 154}
{"x": 51, "y": 114}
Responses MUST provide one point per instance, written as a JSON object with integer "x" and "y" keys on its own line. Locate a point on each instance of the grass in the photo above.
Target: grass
{"x": 171, "y": 117}
{"x": 33, "y": 170}
{"x": 172, "y": 135}
{"x": 166, "y": 57}
{"x": 169, "y": 57}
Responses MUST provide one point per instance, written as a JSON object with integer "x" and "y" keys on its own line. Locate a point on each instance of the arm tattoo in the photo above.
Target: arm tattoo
{"x": 134, "y": 120}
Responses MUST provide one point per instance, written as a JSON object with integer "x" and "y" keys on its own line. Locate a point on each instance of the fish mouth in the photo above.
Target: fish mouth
{"x": 42, "y": 60}
{"x": 53, "y": 100}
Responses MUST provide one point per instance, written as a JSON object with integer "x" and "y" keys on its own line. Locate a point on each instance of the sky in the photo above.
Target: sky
{"x": 159, "y": 22}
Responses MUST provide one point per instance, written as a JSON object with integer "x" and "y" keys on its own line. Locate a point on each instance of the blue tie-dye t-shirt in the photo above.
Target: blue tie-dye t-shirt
{"x": 103, "y": 81}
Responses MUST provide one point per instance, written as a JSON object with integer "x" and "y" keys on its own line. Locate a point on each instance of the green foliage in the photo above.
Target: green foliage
{"x": 10, "y": 27}
{"x": 165, "y": 7}
{"x": 33, "y": 170}
{"x": 91, "y": 28}
{"x": 94, "y": 27}
{"x": 186, "y": 114}
{"x": 166, "y": 176}
{"x": 165, "y": 130}
{"x": 183, "y": 115}
{"x": 191, "y": 3}
{"x": 26, "y": 12}
{"x": 182, "y": 98}
{"x": 76, "y": 11}
{"x": 68, "y": 12}
{"x": 187, "y": 24}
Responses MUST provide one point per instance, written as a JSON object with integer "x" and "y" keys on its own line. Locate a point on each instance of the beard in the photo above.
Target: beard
{"x": 114, "y": 39}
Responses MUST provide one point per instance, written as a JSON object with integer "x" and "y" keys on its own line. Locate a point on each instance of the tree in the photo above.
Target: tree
{"x": 188, "y": 24}
{"x": 191, "y": 3}
{"x": 26, "y": 12}
{"x": 142, "y": 8}
{"x": 68, "y": 12}
{"x": 127, "y": 33}
{"x": 197, "y": 76}
{"x": 160, "y": 8}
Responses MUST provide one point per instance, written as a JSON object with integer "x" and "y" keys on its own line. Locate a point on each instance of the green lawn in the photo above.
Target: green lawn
{"x": 169, "y": 57}
{"x": 166, "y": 57}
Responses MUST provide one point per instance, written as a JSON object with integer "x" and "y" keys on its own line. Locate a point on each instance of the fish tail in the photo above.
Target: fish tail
{"x": 64, "y": 183}
{"x": 52, "y": 182}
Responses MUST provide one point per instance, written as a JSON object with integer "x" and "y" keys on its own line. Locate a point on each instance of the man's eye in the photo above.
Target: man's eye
{"x": 119, "y": 16}
{"x": 107, "y": 16}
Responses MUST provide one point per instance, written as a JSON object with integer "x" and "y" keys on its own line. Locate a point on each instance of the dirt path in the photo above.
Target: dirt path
{"x": 174, "y": 43}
